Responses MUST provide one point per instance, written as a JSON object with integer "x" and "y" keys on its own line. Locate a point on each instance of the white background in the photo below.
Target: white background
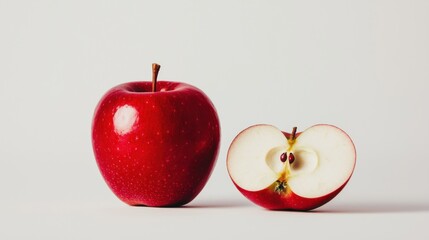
{"x": 360, "y": 65}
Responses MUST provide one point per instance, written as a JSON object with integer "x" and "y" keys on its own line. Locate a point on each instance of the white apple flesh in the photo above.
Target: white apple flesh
{"x": 297, "y": 171}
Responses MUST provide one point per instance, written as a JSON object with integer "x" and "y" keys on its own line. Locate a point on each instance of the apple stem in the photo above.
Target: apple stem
{"x": 155, "y": 71}
{"x": 292, "y": 136}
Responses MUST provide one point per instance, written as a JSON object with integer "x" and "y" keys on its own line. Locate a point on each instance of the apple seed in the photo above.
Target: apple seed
{"x": 291, "y": 158}
{"x": 283, "y": 157}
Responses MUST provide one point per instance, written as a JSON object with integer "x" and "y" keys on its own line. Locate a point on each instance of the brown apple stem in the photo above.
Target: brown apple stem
{"x": 292, "y": 135}
{"x": 155, "y": 71}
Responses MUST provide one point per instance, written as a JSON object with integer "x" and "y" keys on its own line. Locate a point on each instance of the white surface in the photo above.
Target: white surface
{"x": 360, "y": 65}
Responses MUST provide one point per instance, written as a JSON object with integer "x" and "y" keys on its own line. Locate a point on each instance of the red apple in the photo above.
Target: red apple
{"x": 291, "y": 171}
{"x": 155, "y": 143}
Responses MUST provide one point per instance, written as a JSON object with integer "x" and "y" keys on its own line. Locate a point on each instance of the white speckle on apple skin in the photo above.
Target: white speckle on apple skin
{"x": 124, "y": 119}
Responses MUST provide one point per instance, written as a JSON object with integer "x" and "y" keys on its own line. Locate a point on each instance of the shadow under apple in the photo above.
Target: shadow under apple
{"x": 374, "y": 207}
{"x": 206, "y": 204}
{"x": 218, "y": 204}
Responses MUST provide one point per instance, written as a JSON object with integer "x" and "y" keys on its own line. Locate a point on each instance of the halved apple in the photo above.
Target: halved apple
{"x": 291, "y": 171}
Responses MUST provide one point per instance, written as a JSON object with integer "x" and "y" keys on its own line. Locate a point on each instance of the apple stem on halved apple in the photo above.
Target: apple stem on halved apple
{"x": 155, "y": 71}
{"x": 292, "y": 135}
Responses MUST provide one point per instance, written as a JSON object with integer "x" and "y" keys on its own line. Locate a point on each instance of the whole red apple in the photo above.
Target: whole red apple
{"x": 155, "y": 143}
{"x": 291, "y": 171}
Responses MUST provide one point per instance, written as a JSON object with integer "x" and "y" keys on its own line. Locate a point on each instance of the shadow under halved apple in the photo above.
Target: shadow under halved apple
{"x": 375, "y": 207}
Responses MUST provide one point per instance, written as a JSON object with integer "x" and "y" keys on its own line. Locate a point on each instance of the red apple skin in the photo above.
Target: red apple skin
{"x": 166, "y": 151}
{"x": 269, "y": 199}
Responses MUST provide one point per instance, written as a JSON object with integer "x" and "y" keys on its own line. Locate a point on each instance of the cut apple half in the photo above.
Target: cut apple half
{"x": 310, "y": 164}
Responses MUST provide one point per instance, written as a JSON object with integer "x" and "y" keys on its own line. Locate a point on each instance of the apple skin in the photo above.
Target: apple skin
{"x": 269, "y": 199}
{"x": 155, "y": 148}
